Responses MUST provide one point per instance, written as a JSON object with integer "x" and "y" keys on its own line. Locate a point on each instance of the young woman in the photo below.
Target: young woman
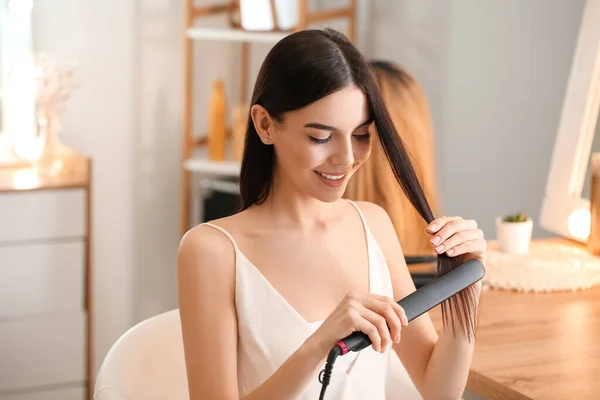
{"x": 375, "y": 181}
{"x": 265, "y": 294}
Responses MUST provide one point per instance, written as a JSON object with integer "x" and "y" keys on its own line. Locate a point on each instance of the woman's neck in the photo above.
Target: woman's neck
{"x": 287, "y": 208}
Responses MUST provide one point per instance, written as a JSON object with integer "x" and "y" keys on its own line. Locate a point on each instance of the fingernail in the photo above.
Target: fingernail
{"x": 450, "y": 251}
{"x": 439, "y": 248}
{"x": 397, "y": 338}
{"x": 432, "y": 227}
{"x": 405, "y": 321}
{"x": 435, "y": 240}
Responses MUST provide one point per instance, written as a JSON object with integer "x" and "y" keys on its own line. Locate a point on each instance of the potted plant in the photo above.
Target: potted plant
{"x": 513, "y": 232}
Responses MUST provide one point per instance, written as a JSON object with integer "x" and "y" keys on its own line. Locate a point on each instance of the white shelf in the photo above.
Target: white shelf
{"x": 219, "y": 185}
{"x": 235, "y": 35}
{"x": 220, "y": 168}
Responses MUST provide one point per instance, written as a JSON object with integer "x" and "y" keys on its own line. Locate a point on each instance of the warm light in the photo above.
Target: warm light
{"x": 579, "y": 223}
{"x": 25, "y": 179}
{"x": 18, "y": 80}
{"x": 28, "y": 147}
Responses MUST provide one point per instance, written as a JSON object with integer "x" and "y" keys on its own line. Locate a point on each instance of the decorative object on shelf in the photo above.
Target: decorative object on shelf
{"x": 548, "y": 266}
{"x": 268, "y": 15}
{"x": 239, "y": 123}
{"x": 54, "y": 86}
{"x": 217, "y": 123}
{"x": 514, "y": 233}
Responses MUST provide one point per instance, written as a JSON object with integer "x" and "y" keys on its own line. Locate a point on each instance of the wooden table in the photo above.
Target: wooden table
{"x": 536, "y": 345}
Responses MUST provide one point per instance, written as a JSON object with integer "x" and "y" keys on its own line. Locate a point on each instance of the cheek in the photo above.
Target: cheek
{"x": 362, "y": 151}
{"x": 302, "y": 156}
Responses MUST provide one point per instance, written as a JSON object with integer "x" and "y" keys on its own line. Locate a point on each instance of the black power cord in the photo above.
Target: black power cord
{"x": 325, "y": 374}
{"x": 354, "y": 342}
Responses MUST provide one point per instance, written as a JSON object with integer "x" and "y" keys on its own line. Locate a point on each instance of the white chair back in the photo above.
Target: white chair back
{"x": 146, "y": 363}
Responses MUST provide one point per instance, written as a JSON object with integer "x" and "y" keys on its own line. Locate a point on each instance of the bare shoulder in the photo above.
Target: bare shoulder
{"x": 204, "y": 241}
{"x": 205, "y": 250}
{"x": 206, "y": 292}
{"x": 372, "y": 211}
{"x": 379, "y": 223}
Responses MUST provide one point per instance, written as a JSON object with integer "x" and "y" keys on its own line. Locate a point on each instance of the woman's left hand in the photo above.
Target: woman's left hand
{"x": 455, "y": 236}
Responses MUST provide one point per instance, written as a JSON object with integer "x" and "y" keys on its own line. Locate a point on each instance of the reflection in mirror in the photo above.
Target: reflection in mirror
{"x": 585, "y": 193}
{"x": 17, "y": 85}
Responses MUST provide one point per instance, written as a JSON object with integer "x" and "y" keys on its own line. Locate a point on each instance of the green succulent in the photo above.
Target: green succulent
{"x": 518, "y": 217}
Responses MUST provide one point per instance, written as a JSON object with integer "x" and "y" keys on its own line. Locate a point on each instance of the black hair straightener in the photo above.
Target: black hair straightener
{"x": 414, "y": 305}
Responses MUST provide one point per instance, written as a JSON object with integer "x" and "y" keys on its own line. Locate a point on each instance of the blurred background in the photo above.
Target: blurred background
{"x": 494, "y": 73}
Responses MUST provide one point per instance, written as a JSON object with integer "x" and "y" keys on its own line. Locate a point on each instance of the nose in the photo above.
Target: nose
{"x": 343, "y": 154}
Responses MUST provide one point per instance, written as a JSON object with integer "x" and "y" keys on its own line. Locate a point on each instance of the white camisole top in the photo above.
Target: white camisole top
{"x": 270, "y": 330}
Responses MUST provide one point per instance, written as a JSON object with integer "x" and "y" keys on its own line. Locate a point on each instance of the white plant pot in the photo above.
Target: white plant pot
{"x": 514, "y": 237}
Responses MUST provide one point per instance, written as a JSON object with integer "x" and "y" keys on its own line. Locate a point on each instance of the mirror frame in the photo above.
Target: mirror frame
{"x": 573, "y": 145}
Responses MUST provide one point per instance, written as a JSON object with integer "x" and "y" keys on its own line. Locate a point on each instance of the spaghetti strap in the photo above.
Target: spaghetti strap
{"x": 224, "y": 232}
{"x": 362, "y": 217}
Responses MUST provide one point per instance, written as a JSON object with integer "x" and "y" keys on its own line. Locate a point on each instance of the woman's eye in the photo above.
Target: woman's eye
{"x": 365, "y": 136}
{"x": 316, "y": 140}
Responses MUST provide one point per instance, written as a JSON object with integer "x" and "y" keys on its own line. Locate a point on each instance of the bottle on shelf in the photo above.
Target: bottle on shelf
{"x": 217, "y": 123}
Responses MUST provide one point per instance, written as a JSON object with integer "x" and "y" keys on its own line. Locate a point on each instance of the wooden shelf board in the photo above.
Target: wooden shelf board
{"x": 235, "y": 35}
{"x": 205, "y": 166}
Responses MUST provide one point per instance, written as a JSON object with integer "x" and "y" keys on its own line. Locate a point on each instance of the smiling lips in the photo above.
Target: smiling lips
{"x": 332, "y": 180}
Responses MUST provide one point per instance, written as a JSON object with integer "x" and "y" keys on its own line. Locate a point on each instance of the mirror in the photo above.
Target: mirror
{"x": 564, "y": 210}
{"x": 17, "y": 83}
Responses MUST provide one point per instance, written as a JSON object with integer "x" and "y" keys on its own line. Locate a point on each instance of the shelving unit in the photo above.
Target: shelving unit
{"x": 192, "y": 166}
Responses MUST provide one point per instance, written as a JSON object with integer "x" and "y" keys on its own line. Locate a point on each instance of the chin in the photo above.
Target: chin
{"x": 329, "y": 195}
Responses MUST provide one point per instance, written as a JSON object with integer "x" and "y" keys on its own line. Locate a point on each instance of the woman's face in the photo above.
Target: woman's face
{"x": 319, "y": 147}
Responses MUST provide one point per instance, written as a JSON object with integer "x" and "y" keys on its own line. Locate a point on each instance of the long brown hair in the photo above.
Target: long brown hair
{"x": 375, "y": 181}
{"x": 304, "y": 67}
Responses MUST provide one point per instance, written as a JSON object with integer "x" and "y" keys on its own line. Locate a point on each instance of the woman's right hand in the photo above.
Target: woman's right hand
{"x": 377, "y": 316}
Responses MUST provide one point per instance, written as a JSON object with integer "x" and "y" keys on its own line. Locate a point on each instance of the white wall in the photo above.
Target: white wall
{"x": 127, "y": 116}
{"x": 495, "y": 73}
{"x": 414, "y": 35}
{"x": 100, "y": 122}
{"x": 525, "y": 49}
{"x": 158, "y": 77}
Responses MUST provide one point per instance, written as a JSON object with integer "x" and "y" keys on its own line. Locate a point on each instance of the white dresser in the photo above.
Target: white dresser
{"x": 45, "y": 322}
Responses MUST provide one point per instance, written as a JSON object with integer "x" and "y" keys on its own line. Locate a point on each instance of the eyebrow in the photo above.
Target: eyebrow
{"x": 323, "y": 127}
